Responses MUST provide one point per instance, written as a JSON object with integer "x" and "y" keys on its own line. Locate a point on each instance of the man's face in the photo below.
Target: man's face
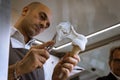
{"x": 36, "y": 21}
{"x": 115, "y": 63}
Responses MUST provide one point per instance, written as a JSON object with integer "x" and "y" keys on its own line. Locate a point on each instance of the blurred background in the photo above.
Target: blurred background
{"x": 87, "y": 17}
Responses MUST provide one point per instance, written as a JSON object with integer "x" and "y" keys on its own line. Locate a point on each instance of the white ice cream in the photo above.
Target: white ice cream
{"x": 66, "y": 30}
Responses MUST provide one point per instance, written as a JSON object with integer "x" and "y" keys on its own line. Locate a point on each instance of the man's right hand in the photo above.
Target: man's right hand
{"x": 35, "y": 58}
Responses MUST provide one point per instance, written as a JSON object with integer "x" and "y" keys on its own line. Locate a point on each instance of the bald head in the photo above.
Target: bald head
{"x": 33, "y": 5}
{"x": 35, "y": 18}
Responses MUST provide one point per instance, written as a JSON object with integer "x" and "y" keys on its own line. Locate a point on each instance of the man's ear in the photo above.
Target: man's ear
{"x": 24, "y": 11}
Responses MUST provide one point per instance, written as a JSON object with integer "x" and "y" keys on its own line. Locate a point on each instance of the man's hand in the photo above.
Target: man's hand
{"x": 65, "y": 66}
{"x": 35, "y": 58}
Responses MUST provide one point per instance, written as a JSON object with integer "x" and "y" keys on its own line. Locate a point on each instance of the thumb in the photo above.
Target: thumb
{"x": 46, "y": 44}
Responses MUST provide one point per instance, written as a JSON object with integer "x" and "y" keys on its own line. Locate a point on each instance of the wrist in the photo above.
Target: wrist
{"x": 14, "y": 72}
{"x": 18, "y": 69}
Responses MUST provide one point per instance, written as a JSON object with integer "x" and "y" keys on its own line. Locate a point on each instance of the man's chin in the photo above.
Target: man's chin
{"x": 35, "y": 34}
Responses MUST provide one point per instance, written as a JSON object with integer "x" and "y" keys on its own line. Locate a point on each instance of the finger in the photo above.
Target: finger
{"x": 70, "y": 60}
{"x": 68, "y": 66}
{"x": 40, "y": 52}
{"x": 41, "y": 61}
{"x": 68, "y": 54}
{"x": 44, "y": 53}
{"x": 39, "y": 64}
{"x": 76, "y": 57}
{"x": 47, "y": 44}
{"x": 65, "y": 73}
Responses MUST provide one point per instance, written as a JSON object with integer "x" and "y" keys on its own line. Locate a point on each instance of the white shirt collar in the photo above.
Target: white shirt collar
{"x": 17, "y": 39}
{"x": 118, "y": 78}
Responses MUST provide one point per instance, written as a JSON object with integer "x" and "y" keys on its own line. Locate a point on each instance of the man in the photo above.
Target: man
{"x": 28, "y": 64}
{"x": 114, "y": 63}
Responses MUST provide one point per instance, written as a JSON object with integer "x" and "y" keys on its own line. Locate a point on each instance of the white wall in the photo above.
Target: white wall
{"x": 4, "y": 37}
{"x": 98, "y": 59}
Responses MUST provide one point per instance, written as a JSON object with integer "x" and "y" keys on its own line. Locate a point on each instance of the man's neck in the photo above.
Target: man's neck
{"x": 26, "y": 37}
